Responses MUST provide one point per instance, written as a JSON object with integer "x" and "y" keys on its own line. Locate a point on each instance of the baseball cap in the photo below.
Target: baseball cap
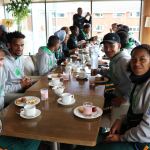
{"x": 111, "y": 38}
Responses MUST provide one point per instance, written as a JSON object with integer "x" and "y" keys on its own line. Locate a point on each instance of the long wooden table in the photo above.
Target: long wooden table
{"x": 57, "y": 123}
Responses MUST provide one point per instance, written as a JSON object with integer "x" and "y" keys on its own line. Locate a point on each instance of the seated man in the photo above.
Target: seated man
{"x": 46, "y": 60}
{"x": 14, "y": 66}
{"x": 73, "y": 44}
{"x": 10, "y": 142}
{"x": 84, "y": 33}
{"x": 118, "y": 73}
{"x": 73, "y": 41}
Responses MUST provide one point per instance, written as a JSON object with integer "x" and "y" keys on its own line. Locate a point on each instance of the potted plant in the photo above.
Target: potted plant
{"x": 19, "y": 9}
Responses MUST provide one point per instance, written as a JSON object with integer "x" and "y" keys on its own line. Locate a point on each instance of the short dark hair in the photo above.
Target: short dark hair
{"x": 86, "y": 26}
{"x": 73, "y": 28}
{"x": 115, "y": 24}
{"x": 146, "y": 47}
{"x": 64, "y": 28}
{"x": 124, "y": 38}
{"x": 52, "y": 41}
{"x": 14, "y": 35}
{"x": 124, "y": 28}
{"x": 79, "y": 8}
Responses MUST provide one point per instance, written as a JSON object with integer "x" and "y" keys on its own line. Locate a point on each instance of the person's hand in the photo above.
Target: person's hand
{"x": 81, "y": 42}
{"x": 88, "y": 14}
{"x": 115, "y": 129}
{"x": 118, "y": 101}
{"x": 3, "y": 148}
{"x": 113, "y": 138}
{"x": 26, "y": 82}
{"x": 111, "y": 31}
{"x": 72, "y": 51}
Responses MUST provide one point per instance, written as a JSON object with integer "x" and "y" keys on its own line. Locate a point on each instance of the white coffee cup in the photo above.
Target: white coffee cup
{"x": 68, "y": 69}
{"x": 29, "y": 110}
{"x": 82, "y": 74}
{"x": 67, "y": 98}
{"x": 55, "y": 81}
{"x": 58, "y": 89}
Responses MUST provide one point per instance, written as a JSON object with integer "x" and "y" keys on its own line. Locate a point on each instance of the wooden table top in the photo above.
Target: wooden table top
{"x": 56, "y": 123}
{"x": 73, "y": 86}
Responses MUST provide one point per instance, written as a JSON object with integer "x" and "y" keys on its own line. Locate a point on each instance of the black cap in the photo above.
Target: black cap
{"x": 111, "y": 38}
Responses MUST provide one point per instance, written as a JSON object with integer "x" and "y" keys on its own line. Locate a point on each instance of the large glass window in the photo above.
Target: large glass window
{"x": 121, "y": 12}
{"x": 61, "y": 14}
{"x": 44, "y": 21}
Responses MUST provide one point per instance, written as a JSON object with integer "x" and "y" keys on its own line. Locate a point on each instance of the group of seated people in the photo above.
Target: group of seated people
{"x": 129, "y": 70}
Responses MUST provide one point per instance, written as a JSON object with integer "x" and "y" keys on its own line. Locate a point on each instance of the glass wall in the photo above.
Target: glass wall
{"x": 121, "y": 12}
{"x": 45, "y": 19}
{"x": 61, "y": 14}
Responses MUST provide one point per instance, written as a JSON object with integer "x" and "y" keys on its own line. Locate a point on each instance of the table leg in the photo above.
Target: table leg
{"x": 56, "y": 146}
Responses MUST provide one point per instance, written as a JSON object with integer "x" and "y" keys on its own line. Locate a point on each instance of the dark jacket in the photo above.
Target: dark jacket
{"x": 79, "y": 21}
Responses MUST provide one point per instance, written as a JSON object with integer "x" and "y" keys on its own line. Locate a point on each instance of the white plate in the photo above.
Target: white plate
{"x": 61, "y": 103}
{"x": 28, "y": 98}
{"x": 94, "y": 115}
{"x": 52, "y": 75}
{"x": 38, "y": 113}
{"x": 51, "y": 84}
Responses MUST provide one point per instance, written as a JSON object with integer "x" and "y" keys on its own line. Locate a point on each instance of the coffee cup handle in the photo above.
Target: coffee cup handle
{"x": 72, "y": 96}
{"x": 22, "y": 109}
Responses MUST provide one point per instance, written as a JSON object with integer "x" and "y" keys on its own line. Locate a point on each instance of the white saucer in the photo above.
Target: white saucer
{"x": 94, "y": 115}
{"x": 51, "y": 84}
{"x": 38, "y": 113}
{"x": 61, "y": 103}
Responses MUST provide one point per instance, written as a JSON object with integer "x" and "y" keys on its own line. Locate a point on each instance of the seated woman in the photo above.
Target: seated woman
{"x": 133, "y": 131}
{"x": 46, "y": 60}
{"x": 11, "y": 143}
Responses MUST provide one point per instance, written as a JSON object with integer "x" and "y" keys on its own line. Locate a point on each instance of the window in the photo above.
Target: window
{"x": 1, "y": 12}
{"x": 99, "y": 28}
{"x": 115, "y": 15}
{"x": 58, "y": 15}
{"x": 134, "y": 28}
{"x": 42, "y": 22}
{"x": 134, "y": 14}
{"x": 98, "y": 15}
{"x": 115, "y": 12}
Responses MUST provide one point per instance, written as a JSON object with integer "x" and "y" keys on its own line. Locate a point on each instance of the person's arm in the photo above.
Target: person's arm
{"x": 71, "y": 44}
{"x": 9, "y": 85}
{"x": 124, "y": 76}
{"x": 141, "y": 133}
{"x": 88, "y": 21}
{"x": 43, "y": 62}
{"x": 75, "y": 20}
